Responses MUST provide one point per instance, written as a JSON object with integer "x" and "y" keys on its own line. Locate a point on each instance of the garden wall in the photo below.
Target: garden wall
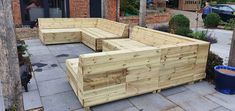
{"x": 150, "y": 18}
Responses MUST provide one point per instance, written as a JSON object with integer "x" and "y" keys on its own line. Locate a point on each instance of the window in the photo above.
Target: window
{"x": 31, "y": 10}
{"x": 225, "y": 8}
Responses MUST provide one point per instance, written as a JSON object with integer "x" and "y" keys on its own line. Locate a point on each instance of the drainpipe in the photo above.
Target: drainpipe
{"x": 117, "y": 10}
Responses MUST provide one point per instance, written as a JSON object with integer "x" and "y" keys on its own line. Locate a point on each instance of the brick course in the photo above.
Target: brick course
{"x": 16, "y": 12}
{"x": 79, "y": 8}
{"x": 111, "y": 10}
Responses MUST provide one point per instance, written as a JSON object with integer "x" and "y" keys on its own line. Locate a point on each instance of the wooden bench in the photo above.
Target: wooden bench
{"x": 90, "y": 31}
{"x": 147, "y": 62}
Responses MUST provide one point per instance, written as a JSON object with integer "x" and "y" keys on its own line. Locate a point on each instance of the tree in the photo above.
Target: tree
{"x": 142, "y": 13}
{"x": 231, "y": 61}
{"x": 9, "y": 64}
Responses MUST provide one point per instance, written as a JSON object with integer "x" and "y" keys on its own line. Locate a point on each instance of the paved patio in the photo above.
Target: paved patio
{"x": 50, "y": 89}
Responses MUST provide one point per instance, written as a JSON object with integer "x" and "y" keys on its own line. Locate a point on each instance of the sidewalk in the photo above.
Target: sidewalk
{"x": 222, "y": 47}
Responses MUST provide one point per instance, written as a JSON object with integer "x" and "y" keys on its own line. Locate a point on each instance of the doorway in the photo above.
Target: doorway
{"x": 31, "y": 10}
{"x": 95, "y": 8}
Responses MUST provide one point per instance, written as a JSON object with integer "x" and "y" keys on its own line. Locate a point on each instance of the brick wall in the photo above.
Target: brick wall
{"x": 79, "y": 8}
{"x": 150, "y": 18}
{"x": 111, "y": 10}
{"x": 16, "y": 12}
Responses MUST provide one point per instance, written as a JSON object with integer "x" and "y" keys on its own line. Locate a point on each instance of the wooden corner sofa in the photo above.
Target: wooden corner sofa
{"x": 90, "y": 31}
{"x": 146, "y": 62}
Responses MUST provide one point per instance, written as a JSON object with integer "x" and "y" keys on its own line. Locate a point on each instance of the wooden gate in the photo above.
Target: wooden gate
{"x": 189, "y": 4}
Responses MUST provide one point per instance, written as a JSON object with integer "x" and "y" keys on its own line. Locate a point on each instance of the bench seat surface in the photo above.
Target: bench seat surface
{"x": 61, "y": 30}
{"x": 98, "y": 33}
{"x": 119, "y": 44}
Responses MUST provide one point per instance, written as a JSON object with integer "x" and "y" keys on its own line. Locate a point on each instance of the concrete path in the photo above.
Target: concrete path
{"x": 222, "y": 47}
{"x": 55, "y": 93}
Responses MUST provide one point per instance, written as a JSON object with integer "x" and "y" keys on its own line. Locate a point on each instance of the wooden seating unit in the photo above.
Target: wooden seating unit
{"x": 90, "y": 31}
{"x": 150, "y": 60}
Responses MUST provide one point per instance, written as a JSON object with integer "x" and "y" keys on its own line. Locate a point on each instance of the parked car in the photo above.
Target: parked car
{"x": 225, "y": 11}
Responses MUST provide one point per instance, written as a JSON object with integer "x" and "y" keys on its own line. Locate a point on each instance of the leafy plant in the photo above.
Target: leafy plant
{"x": 184, "y": 31}
{"x": 203, "y": 35}
{"x": 129, "y": 6}
{"x": 179, "y": 24}
{"x": 212, "y": 20}
{"x": 213, "y": 60}
{"x": 21, "y": 47}
{"x": 230, "y": 25}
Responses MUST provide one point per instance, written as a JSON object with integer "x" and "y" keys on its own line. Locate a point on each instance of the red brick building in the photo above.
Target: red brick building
{"x": 23, "y": 14}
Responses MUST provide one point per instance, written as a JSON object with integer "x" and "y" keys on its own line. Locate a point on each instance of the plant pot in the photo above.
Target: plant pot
{"x": 225, "y": 79}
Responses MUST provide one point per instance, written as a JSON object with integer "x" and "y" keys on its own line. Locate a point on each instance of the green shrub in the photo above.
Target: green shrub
{"x": 130, "y": 7}
{"x": 184, "y": 31}
{"x": 212, "y": 20}
{"x": 179, "y": 24}
{"x": 201, "y": 35}
{"x": 213, "y": 60}
{"x": 230, "y": 25}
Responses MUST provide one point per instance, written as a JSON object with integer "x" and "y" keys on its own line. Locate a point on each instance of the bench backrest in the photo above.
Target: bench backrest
{"x": 156, "y": 38}
{"x": 58, "y": 23}
{"x": 113, "y": 27}
{"x": 97, "y": 63}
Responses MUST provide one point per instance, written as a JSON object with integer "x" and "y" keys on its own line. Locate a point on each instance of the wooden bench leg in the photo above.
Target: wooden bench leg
{"x": 87, "y": 109}
{"x": 158, "y": 91}
{"x": 191, "y": 83}
{"x": 154, "y": 92}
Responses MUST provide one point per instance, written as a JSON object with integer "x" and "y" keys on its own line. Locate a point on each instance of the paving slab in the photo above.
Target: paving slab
{"x": 50, "y": 74}
{"x": 121, "y": 105}
{"x": 31, "y": 100}
{"x": 42, "y": 58}
{"x": 32, "y": 48}
{"x": 61, "y": 56}
{"x": 45, "y": 65}
{"x": 63, "y": 66}
{"x": 66, "y": 101}
{"x": 172, "y": 91}
{"x": 63, "y": 59}
{"x": 32, "y": 85}
{"x": 59, "y": 47}
{"x": 152, "y": 102}
{"x": 55, "y": 86}
{"x": 39, "y": 52}
{"x": 79, "y": 48}
{"x": 191, "y": 101}
{"x": 227, "y": 101}
{"x": 202, "y": 88}
{"x": 33, "y": 42}
{"x": 176, "y": 109}
{"x": 221, "y": 108}
{"x": 82, "y": 109}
